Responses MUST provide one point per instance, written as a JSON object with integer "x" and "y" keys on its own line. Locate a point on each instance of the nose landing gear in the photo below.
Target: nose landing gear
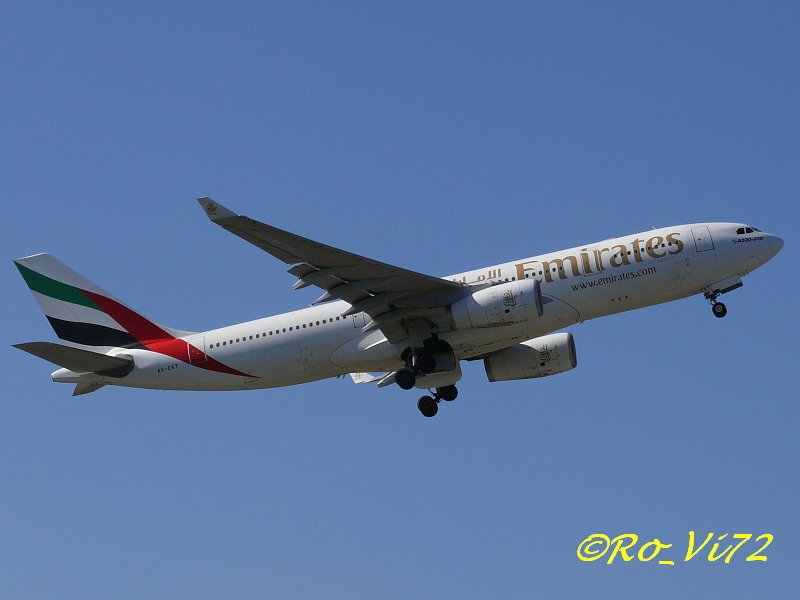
{"x": 718, "y": 309}
{"x": 713, "y": 291}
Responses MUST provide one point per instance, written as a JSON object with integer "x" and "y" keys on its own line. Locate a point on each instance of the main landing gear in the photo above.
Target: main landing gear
{"x": 419, "y": 362}
{"x": 429, "y": 405}
{"x": 429, "y": 363}
{"x": 718, "y": 309}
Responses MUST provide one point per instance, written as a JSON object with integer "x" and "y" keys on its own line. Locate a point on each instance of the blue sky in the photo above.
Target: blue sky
{"x": 439, "y": 137}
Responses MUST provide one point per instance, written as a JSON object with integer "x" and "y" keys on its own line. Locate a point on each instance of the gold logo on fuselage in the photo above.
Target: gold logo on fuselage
{"x": 596, "y": 260}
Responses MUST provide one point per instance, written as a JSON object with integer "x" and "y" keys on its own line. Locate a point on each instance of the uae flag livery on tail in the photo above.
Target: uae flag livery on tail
{"x": 83, "y": 314}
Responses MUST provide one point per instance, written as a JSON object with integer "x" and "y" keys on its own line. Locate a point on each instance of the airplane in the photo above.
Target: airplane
{"x": 412, "y": 329}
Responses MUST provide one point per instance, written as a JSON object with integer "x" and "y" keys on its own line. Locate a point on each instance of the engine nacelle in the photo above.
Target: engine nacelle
{"x": 539, "y": 357}
{"x": 503, "y": 304}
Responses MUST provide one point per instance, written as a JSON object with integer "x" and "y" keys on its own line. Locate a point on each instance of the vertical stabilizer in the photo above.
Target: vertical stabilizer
{"x": 81, "y": 312}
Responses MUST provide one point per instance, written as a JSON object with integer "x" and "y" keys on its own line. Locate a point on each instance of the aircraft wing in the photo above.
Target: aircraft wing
{"x": 390, "y": 295}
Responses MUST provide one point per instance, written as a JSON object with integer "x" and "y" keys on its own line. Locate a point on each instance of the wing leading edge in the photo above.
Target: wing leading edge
{"x": 391, "y": 296}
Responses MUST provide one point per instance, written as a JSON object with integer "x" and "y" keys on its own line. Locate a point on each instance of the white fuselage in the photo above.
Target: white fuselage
{"x": 577, "y": 284}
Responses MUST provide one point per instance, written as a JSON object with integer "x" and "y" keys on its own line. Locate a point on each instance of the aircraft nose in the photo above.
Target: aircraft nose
{"x": 775, "y": 244}
{"x": 763, "y": 251}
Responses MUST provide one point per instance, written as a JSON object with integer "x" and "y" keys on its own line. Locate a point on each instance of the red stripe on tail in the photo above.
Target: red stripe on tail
{"x": 152, "y": 337}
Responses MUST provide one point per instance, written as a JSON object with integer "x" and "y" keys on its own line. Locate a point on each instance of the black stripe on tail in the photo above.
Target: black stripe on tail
{"x": 88, "y": 334}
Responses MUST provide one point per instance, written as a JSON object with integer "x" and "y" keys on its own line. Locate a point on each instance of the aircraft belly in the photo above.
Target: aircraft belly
{"x": 367, "y": 352}
{"x": 298, "y": 361}
{"x": 289, "y": 363}
{"x": 157, "y": 371}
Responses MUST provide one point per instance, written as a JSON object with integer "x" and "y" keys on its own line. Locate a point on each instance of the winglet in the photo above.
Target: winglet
{"x": 214, "y": 210}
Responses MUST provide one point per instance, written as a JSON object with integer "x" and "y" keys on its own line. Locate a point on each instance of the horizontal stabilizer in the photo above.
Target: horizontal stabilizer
{"x": 79, "y": 361}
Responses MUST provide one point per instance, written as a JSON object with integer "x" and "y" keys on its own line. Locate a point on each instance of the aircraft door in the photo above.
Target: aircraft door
{"x": 197, "y": 350}
{"x": 702, "y": 239}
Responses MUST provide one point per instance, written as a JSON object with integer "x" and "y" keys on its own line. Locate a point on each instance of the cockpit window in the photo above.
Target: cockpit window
{"x": 743, "y": 230}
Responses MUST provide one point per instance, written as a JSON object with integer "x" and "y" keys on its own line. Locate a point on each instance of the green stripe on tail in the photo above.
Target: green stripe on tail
{"x": 54, "y": 289}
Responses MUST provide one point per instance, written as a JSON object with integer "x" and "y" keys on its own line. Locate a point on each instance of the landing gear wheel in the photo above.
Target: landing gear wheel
{"x": 719, "y": 309}
{"x": 405, "y": 379}
{"x": 425, "y": 362}
{"x": 447, "y": 393}
{"x": 427, "y": 406}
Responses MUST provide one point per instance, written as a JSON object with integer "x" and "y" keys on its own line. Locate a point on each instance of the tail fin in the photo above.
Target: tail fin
{"x": 82, "y": 313}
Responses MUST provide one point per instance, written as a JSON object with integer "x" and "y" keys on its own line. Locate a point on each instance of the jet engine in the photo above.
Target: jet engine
{"x": 539, "y": 357}
{"x": 503, "y": 304}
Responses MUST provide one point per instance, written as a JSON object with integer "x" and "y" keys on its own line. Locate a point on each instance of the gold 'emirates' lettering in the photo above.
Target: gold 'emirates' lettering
{"x": 655, "y": 247}
{"x": 585, "y": 261}
{"x": 637, "y": 252}
{"x": 673, "y": 238}
{"x": 620, "y": 256}
{"x": 559, "y": 267}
